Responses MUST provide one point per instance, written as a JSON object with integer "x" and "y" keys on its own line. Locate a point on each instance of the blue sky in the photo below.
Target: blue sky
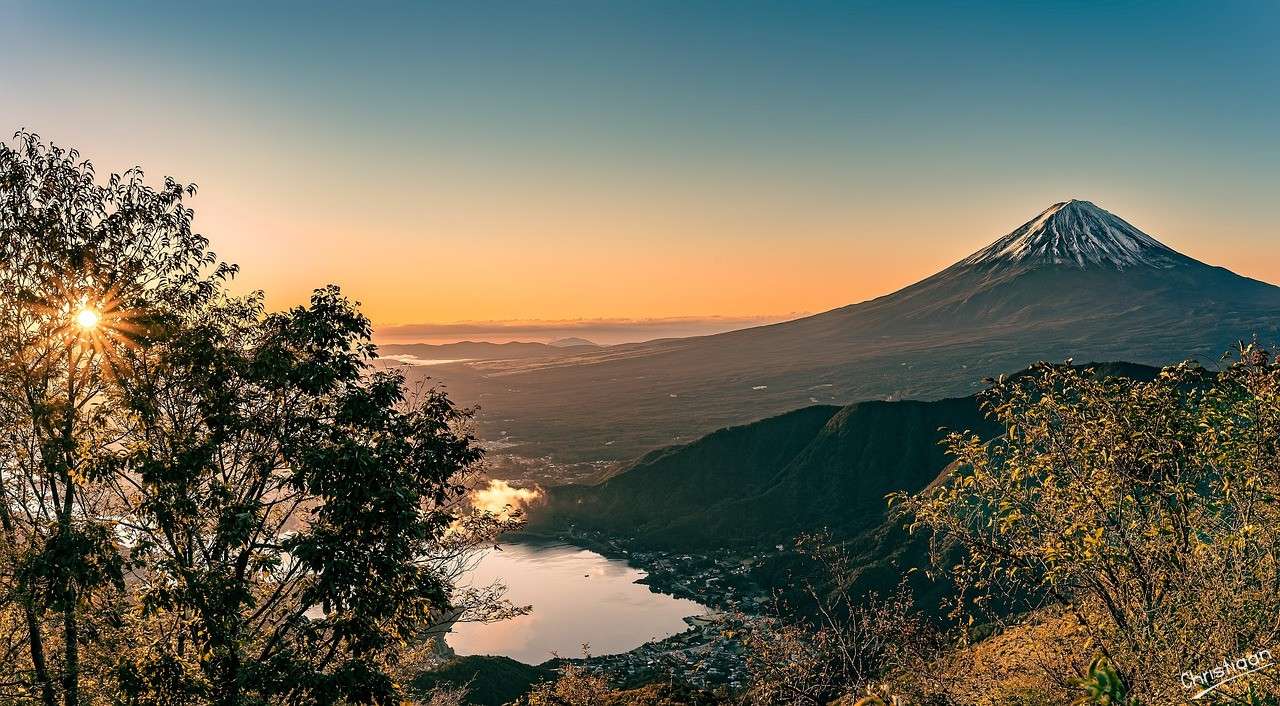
{"x": 671, "y": 159}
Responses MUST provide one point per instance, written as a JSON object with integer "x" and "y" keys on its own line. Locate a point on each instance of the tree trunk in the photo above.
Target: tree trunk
{"x": 71, "y": 670}
{"x": 70, "y": 624}
{"x": 38, "y": 664}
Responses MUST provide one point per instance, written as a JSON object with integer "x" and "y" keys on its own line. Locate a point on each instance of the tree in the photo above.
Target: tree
{"x": 574, "y": 687}
{"x": 1149, "y": 509}
{"x": 74, "y": 251}
{"x": 838, "y": 644}
{"x": 204, "y": 502}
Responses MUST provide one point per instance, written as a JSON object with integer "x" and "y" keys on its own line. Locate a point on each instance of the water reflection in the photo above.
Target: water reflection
{"x": 577, "y": 596}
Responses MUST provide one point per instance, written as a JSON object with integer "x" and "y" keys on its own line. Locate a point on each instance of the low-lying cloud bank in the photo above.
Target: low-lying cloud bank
{"x": 502, "y": 498}
{"x": 602, "y": 331}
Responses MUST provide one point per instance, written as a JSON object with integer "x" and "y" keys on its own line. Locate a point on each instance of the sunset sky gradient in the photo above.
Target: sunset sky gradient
{"x": 593, "y": 160}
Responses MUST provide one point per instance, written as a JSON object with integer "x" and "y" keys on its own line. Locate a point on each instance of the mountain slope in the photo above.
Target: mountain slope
{"x": 764, "y": 482}
{"x": 1079, "y": 234}
{"x": 488, "y": 680}
{"x": 736, "y": 461}
{"x": 689, "y": 498}
{"x": 1075, "y": 281}
{"x": 837, "y": 477}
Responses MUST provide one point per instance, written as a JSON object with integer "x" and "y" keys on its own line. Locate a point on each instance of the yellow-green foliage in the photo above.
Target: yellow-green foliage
{"x": 1149, "y": 509}
{"x": 1103, "y": 687}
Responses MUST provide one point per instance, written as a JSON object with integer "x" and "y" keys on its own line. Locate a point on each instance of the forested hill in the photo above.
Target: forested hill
{"x": 765, "y": 482}
{"x": 670, "y": 486}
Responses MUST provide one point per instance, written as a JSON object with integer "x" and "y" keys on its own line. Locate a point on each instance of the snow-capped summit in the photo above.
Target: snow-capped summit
{"x": 1076, "y": 234}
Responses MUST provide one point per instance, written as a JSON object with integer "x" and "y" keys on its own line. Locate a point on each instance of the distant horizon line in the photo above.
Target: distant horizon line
{"x": 602, "y": 331}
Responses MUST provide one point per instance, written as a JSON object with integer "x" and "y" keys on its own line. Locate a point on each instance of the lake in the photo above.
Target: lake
{"x": 577, "y": 596}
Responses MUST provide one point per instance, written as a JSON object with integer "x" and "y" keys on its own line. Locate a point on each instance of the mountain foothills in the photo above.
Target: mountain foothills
{"x": 765, "y": 482}
{"x": 819, "y": 468}
{"x": 1075, "y": 281}
{"x": 1100, "y": 515}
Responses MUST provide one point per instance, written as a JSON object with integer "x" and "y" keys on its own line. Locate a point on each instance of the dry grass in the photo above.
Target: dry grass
{"x": 1027, "y": 663}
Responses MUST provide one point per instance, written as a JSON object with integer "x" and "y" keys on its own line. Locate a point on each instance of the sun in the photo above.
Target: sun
{"x": 87, "y": 319}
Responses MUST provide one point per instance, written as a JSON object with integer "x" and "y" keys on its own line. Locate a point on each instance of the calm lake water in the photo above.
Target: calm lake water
{"x": 577, "y": 596}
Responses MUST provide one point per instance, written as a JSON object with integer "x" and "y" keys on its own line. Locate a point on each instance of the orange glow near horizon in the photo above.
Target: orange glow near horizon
{"x": 418, "y": 248}
{"x": 712, "y": 263}
{"x": 445, "y": 164}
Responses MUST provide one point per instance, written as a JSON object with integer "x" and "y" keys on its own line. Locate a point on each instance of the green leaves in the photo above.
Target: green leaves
{"x": 233, "y": 505}
{"x": 292, "y": 509}
{"x": 1102, "y": 686}
{"x": 76, "y": 559}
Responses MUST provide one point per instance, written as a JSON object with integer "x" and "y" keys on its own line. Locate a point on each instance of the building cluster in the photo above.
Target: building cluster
{"x": 708, "y": 655}
{"x": 705, "y": 656}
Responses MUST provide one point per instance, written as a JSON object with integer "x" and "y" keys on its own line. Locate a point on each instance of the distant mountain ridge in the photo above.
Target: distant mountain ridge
{"x": 483, "y": 350}
{"x": 571, "y": 342}
{"x": 1075, "y": 281}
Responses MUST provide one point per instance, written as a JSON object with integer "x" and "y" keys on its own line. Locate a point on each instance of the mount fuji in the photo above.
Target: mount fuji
{"x": 1074, "y": 282}
{"x": 1075, "y": 234}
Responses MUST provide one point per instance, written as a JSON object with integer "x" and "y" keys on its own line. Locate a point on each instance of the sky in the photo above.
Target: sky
{"x": 518, "y": 170}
